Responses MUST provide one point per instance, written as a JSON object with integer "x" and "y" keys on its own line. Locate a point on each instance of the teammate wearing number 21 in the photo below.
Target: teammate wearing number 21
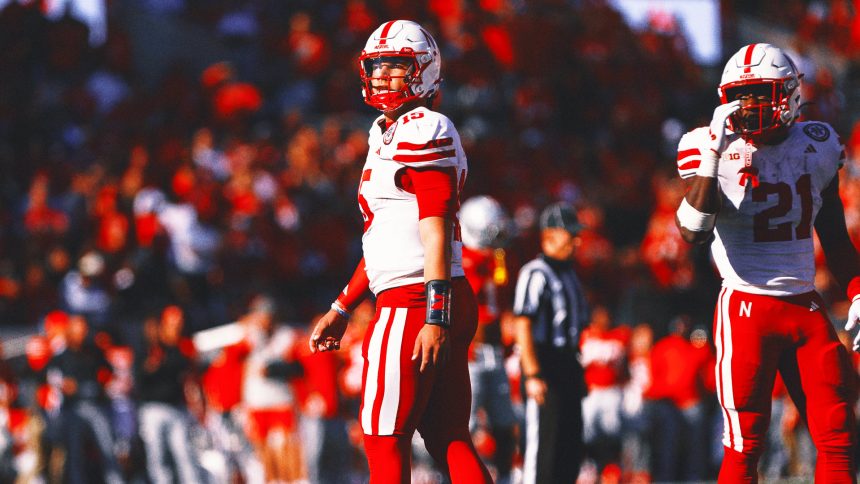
{"x": 416, "y": 374}
{"x": 758, "y": 182}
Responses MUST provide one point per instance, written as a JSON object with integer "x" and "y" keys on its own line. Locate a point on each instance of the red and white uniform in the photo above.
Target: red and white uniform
{"x": 421, "y": 139}
{"x": 480, "y": 266}
{"x": 763, "y": 237}
{"x": 604, "y": 356}
{"x": 270, "y": 402}
{"x": 768, "y": 316}
{"x": 420, "y": 144}
{"x": 490, "y": 387}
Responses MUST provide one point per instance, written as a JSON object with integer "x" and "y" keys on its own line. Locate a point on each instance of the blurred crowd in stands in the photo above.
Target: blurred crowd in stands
{"x": 134, "y": 215}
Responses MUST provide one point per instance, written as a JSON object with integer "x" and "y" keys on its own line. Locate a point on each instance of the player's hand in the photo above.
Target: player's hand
{"x": 854, "y": 321}
{"x": 328, "y": 332}
{"x": 536, "y": 389}
{"x": 431, "y": 346}
{"x": 718, "y": 140}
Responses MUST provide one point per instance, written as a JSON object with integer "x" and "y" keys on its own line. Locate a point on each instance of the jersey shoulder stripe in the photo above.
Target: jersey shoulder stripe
{"x": 434, "y": 156}
{"x": 433, "y": 143}
{"x": 690, "y": 152}
{"x": 689, "y": 159}
{"x": 426, "y": 138}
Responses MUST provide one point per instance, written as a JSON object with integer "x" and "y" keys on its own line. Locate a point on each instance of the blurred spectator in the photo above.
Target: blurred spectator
{"x": 161, "y": 372}
{"x": 232, "y": 101}
{"x": 268, "y": 396}
{"x": 663, "y": 250}
{"x": 682, "y": 378}
{"x": 193, "y": 247}
{"x": 322, "y": 426}
{"x": 123, "y": 409}
{"x": 79, "y": 372}
{"x": 222, "y": 386}
{"x": 85, "y": 293}
{"x": 43, "y": 224}
{"x": 46, "y": 398}
{"x": 604, "y": 359}
{"x": 307, "y": 49}
{"x": 636, "y": 445}
{"x": 10, "y": 421}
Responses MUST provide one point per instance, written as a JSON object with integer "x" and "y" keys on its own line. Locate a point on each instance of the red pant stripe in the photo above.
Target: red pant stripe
{"x": 718, "y": 368}
{"x": 371, "y": 380}
{"x": 391, "y": 396}
{"x": 732, "y": 436}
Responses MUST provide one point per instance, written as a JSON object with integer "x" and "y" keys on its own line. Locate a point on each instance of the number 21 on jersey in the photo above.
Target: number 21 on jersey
{"x": 762, "y": 230}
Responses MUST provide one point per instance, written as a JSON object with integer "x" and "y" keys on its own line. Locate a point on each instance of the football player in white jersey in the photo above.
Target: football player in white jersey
{"x": 758, "y": 182}
{"x": 415, "y": 350}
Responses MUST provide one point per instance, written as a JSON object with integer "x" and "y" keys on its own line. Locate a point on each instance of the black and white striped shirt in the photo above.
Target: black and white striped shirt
{"x": 551, "y": 296}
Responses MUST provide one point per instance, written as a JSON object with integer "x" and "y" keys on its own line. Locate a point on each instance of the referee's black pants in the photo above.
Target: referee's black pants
{"x": 551, "y": 440}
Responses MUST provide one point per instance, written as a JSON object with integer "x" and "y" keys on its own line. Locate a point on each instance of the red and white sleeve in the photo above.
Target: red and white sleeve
{"x": 689, "y": 154}
{"x": 427, "y": 147}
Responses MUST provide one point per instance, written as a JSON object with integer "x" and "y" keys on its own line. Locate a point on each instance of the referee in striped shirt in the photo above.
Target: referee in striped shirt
{"x": 550, "y": 311}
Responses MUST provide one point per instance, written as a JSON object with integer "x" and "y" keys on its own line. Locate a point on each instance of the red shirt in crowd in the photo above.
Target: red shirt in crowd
{"x": 222, "y": 382}
{"x": 481, "y": 268}
{"x": 680, "y": 371}
{"x": 604, "y": 356}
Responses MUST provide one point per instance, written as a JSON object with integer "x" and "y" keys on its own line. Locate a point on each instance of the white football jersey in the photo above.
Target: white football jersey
{"x": 393, "y": 253}
{"x": 770, "y": 197}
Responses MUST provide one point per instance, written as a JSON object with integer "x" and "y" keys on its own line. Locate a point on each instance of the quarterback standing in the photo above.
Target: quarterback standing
{"x": 758, "y": 182}
{"x": 416, "y": 373}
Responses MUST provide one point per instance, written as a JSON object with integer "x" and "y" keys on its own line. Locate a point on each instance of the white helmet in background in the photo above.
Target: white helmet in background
{"x": 762, "y": 69}
{"x": 483, "y": 223}
{"x": 402, "y": 39}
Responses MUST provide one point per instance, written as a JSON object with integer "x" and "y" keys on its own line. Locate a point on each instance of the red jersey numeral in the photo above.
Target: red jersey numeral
{"x": 413, "y": 115}
{"x": 366, "y": 214}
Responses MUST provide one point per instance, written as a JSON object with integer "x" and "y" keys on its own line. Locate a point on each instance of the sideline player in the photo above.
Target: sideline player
{"x": 416, "y": 373}
{"x": 485, "y": 228}
{"x": 758, "y": 181}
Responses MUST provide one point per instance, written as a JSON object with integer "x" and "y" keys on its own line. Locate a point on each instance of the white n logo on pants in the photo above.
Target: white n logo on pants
{"x": 746, "y": 308}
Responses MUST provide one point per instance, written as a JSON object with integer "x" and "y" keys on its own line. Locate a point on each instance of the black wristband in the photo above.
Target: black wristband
{"x": 438, "y": 293}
